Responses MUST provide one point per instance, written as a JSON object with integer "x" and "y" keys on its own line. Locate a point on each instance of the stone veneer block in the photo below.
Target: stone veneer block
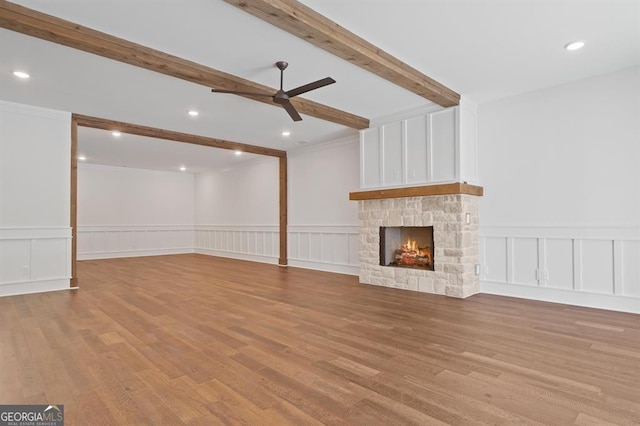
{"x": 455, "y": 243}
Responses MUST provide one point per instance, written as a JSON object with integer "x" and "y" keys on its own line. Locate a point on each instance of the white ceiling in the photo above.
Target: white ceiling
{"x": 483, "y": 49}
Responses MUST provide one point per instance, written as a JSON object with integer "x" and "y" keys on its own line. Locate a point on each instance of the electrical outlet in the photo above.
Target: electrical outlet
{"x": 468, "y": 218}
{"x": 25, "y": 270}
{"x": 542, "y": 275}
{"x": 477, "y": 269}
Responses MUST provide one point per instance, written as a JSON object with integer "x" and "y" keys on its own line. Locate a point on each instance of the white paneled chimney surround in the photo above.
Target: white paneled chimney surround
{"x": 415, "y": 172}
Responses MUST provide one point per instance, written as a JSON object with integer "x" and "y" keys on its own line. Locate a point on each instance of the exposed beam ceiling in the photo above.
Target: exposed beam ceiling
{"x": 134, "y": 129}
{"x": 304, "y": 22}
{"x": 36, "y": 24}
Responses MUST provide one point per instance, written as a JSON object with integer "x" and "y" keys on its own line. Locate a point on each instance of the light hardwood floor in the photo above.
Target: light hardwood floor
{"x": 192, "y": 339}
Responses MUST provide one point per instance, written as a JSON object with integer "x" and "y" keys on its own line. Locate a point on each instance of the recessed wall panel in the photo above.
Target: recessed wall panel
{"x": 559, "y": 258}
{"x": 597, "y": 266}
{"x": 495, "y": 257}
{"x": 525, "y": 261}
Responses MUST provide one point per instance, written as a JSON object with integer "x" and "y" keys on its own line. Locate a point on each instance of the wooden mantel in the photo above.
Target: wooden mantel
{"x": 418, "y": 191}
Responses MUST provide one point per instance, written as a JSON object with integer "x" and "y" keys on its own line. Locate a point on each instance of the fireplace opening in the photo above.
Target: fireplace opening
{"x": 407, "y": 246}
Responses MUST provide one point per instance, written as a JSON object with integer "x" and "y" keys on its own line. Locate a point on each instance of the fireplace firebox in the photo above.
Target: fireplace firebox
{"x": 407, "y": 247}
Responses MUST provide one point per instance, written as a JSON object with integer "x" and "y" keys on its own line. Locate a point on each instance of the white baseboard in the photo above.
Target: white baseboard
{"x": 327, "y": 267}
{"x": 40, "y": 286}
{"x": 237, "y": 255}
{"x": 568, "y": 297}
{"x": 133, "y": 253}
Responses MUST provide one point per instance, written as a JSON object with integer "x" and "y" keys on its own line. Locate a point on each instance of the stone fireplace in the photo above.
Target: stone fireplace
{"x": 452, "y": 211}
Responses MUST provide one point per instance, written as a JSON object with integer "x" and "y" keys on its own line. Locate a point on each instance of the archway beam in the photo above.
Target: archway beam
{"x": 134, "y": 129}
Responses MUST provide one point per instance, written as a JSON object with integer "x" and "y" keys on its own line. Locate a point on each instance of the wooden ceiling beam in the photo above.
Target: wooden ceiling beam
{"x": 305, "y": 23}
{"x": 46, "y": 27}
{"x": 152, "y": 132}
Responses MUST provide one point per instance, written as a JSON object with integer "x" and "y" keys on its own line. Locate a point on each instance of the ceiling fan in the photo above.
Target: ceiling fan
{"x": 284, "y": 98}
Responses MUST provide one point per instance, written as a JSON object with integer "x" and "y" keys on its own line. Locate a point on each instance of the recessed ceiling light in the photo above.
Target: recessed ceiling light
{"x": 238, "y": 152}
{"x": 183, "y": 168}
{"x": 286, "y": 133}
{"x": 116, "y": 134}
{"x": 21, "y": 74}
{"x": 193, "y": 113}
{"x": 574, "y": 45}
{"x": 81, "y": 157}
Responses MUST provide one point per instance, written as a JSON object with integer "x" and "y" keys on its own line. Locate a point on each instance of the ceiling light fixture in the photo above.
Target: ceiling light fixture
{"x": 193, "y": 113}
{"x": 238, "y": 152}
{"x": 81, "y": 157}
{"x": 116, "y": 134}
{"x": 21, "y": 74}
{"x": 286, "y": 133}
{"x": 183, "y": 168}
{"x": 574, "y": 45}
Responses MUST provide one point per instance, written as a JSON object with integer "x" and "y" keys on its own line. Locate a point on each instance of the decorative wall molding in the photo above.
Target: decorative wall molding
{"x": 404, "y": 115}
{"x": 334, "y": 143}
{"x": 332, "y": 248}
{"x": 587, "y": 266}
{"x": 260, "y": 243}
{"x": 34, "y": 260}
{"x": 6, "y": 106}
{"x": 113, "y": 241}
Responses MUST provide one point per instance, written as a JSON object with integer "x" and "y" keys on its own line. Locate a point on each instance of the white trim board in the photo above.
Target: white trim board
{"x": 567, "y": 297}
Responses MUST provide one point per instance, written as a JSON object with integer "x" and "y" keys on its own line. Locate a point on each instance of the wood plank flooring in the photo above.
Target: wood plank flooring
{"x": 192, "y": 339}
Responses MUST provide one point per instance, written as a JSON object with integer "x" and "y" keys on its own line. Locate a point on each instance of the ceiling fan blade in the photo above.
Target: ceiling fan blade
{"x": 292, "y": 111}
{"x": 233, "y": 92}
{"x": 309, "y": 87}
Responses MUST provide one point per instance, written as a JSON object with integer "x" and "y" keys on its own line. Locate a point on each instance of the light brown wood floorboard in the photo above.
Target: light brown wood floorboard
{"x": 193, "y": 339}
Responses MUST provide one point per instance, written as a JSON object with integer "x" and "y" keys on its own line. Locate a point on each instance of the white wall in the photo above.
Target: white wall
{"x": 35, "y": 233}
{"x": 323, "y": 222}
{"x": 560, "y": 218}
{"x": 133, "y": 212}
{"x": 245, "y": 195}
{"x": 320, "y": 179}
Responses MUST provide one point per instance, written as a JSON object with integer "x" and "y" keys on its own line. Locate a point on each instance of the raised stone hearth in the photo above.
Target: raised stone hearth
{"x": 454, "y": 218}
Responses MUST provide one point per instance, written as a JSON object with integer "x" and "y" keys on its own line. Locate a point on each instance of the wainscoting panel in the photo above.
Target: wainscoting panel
{"x": 596, "y": 267}
{"x": 325, "y": 248}
{"x": 495, "y": 258}
{"x": 525, "y": 261}
{"x": 34, "y": 260}
{"x": 630, "y": 268}
{"x": 260, "y": 243}
{"x": 559, "y": 262}
{"x": 103, "y": 242}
